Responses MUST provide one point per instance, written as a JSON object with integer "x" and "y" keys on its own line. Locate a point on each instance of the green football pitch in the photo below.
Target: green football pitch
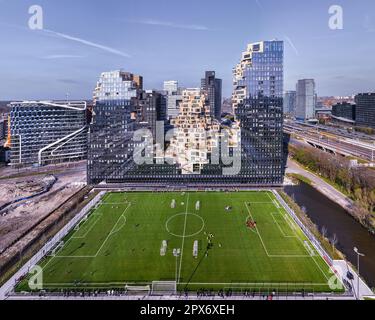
{"x": 244, "y": 241}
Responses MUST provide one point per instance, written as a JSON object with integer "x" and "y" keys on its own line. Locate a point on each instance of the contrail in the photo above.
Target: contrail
{"x": 87, "y": 43}
{"x": 172, "y": 25}
{"x": 292, "y": 45}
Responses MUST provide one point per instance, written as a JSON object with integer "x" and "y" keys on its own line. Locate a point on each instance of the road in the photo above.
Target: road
{"x": 59, "y": 169}
{"x": 335, "y": 143}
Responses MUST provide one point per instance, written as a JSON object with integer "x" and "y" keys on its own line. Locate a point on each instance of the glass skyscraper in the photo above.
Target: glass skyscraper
{"x": 113, "y": 123}
{"x": 258, "y": 108}
{"x": 365, "y": 110}
{"x": 212, "y": 86}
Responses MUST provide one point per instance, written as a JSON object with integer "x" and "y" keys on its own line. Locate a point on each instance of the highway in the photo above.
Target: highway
{"x": 331, "y": 142}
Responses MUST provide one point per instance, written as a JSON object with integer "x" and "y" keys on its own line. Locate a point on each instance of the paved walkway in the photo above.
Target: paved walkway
{"x": 318, "y": 183}
{"x": 343, "y": 268}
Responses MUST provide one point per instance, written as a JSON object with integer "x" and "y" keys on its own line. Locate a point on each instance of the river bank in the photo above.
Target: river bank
{"x": 329, "y": 216}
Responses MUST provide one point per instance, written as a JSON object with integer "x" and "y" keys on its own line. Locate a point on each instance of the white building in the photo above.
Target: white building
{"x": 174, "y": 97}
{"x": 306, "y": 99}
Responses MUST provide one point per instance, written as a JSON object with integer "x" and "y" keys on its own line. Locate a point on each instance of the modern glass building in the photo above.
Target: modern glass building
{"x": 213, "y": 87}
{"x": 45, "y": 132}
{"x": 113, "y": 124}
{"x": 365, "y": 110}
{"x": 290, "y": 100}
{"x": 258, "y": 107}
{"x": 344, "y": 110}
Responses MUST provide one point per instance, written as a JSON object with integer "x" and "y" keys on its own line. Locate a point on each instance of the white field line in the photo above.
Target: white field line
{"x": 261, "y": 202}
{"x": 183, "y": 238}
{"x": 312, "y": 257}
{"x": 249, "y": 216}
{"x": 265, "y": 248}
{"x": 76, "y": 231}
{"x": 115, "y": 203}
{"x": 99, "y": 215}
{"x": 229, "y": 284}
{"x": 111, "y": 232}
{"x": 309, "y": 253}
{"x": 281, "y": 230}
{"x": 89, "y": 256}
{"x": 275, "y": 204}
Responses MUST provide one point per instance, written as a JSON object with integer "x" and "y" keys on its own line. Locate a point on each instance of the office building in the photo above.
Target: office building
{"x": 213, "y": 88}
{"x": 115, "y": 112}
{"x": 171, "y": 87}
{"x": 258, "y": 108}
{"x": 173, "y": 97}
{"x": 306, "y": 100}
{"x": 290, "y": 100}
{"x": 45, "y": 132}
{"x": 344, "y": 110}
{"x": 151, "y": 107}
{"x": 365, "y": 110}
{"x": 4, "y": 127}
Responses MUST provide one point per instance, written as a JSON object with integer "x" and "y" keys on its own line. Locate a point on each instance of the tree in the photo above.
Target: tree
{"x": 334, "y": 241}
{"x": 324, "y": 231}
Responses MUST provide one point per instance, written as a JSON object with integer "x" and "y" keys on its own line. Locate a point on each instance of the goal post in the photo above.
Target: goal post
{"x": 163, "y": 287}
{"x": 138, "y": 290}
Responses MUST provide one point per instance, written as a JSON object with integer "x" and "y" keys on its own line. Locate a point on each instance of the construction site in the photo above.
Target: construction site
{"x": 34, "y": 204}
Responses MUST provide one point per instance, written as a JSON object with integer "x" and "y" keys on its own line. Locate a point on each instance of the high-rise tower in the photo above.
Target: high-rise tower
{"x": 213, "y": 86}
{"x": 258, "y": 108}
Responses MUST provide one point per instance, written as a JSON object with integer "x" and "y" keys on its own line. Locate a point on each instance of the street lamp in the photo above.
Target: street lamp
{"x": 358, "y": 255}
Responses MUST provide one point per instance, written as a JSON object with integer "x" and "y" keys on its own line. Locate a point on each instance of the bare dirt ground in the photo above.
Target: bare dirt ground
{"x": 22, "y": 216}
{"x": 12, "y": 190}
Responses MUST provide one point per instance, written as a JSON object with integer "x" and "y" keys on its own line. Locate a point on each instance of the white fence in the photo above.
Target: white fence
{"x": 10, "y": 284}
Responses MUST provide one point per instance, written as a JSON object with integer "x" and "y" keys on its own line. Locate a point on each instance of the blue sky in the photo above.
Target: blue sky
{"x": 179, "y": 40}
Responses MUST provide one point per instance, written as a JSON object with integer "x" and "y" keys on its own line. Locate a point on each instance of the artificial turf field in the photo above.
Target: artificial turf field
{"x": 120, "y": 241}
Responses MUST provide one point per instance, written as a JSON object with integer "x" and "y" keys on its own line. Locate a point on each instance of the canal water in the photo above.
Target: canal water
{"x": 324, "y": 212}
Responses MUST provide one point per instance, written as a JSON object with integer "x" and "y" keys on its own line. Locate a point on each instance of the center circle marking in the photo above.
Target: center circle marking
{"x": 186, "y": 235}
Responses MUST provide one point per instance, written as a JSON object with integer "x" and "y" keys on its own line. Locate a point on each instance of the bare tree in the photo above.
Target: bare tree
{"x": 334, "y": 241}
{"x": 324, "y": 231}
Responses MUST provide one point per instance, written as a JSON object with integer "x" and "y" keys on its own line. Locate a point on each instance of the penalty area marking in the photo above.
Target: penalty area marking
{"x": 264, "y": 246}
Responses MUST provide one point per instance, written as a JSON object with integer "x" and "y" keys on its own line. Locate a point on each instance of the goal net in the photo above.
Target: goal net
{"x": 137, "y": 290}
{"x": 164, "y": 287}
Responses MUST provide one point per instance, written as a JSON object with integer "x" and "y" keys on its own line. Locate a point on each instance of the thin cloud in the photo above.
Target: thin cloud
{"x": 62, "y": 56}
{"x": 292, "y": 45}
{"x": 87, "y": 43}
{"x": 171, "y": 25}
{"x": 72, "y": 38}
{"x": 68, "y": 81}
